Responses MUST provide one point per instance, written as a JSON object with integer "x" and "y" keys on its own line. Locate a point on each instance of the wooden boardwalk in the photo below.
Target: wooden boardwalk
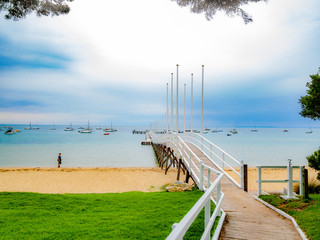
{"x": 246, "y": 217}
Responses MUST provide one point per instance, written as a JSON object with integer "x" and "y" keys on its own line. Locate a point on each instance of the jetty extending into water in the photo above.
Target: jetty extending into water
{"x": 241, "y": 215}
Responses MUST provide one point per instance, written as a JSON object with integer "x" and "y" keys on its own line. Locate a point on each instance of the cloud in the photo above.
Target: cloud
{"x": 107, "y": 61}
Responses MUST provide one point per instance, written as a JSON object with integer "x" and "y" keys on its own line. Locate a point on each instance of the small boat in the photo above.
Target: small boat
{"x": 16, "y": 130}
{"x": 9, "y": 132}
{"x": 53, "y": 127}
{"x": 86, "y": 130}
{"x": 69, "y": 128}
{"x": 285, "y": 130}
{"x": 205, "y": 132}
{"x": 110, "y": 129}
{"x": 106, "y": 133}
{"x": 207, "y": 129}
{"x": 234, "y": 131}
{"x": 28, "y": 128}
{"x": 228, "y": 134}
{"x": 196, "y": 131}
{"x": 188, "y": 130}
{"x": 309, "y": 131}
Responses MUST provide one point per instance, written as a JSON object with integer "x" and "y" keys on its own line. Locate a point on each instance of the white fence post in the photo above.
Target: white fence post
{"x": 211, "y": 151}
{"x": 259, "y": 180}
{"x": 201, "y": 176}
{"x": 289, "y": 173}
{"x": 301, "y": 180}
{"x": 218, "y": 196}
{"x": 223, "y": 161}
{"x": 241, "y": 175}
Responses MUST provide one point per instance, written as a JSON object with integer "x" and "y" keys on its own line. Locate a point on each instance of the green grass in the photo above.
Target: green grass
{"x": 306, "y": 212}
{"x": 131, "y": 215}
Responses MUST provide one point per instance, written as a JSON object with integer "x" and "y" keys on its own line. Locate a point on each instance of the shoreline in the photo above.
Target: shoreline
{"x": 115, "y": 179}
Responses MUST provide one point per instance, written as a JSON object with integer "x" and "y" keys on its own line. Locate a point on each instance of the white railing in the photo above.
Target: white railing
{"x": 289, "y": 179}
{"x": 180, "y": 229}
{"x": 205, "y": 182}
{"x": 220, "y": 158}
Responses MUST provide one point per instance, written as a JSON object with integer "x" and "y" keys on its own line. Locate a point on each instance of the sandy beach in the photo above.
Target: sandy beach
{"x": 84, "y": 180}
{"x": 112, "y": 180}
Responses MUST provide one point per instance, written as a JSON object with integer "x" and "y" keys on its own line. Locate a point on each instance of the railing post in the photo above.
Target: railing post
{"x": 209, "y": 183}
{"x": 201, "y": 176}
{"x": 210, "y": 150}
{"x": 289, "y": 173}
{"x": 241, "y": 175}
{"x": 218, "y": 195}
{"x": 223, "y": 161}
{"x": 190, "y": 161}
{"x": 259, "y": 180}
{"x": 301, "y": 168}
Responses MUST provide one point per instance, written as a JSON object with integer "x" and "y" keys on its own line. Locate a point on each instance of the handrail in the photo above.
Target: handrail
{"x": 201, "y": 146}
{"x": 197, "y": 134}
{"x": 182, "y": 227}
{"x": 189, "y": 158}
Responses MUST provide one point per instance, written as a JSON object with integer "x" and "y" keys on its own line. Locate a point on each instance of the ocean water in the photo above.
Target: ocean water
{"x": 40, "y": 148}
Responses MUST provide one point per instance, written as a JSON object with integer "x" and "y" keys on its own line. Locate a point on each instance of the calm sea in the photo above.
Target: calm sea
{"x": 40, "y": 148}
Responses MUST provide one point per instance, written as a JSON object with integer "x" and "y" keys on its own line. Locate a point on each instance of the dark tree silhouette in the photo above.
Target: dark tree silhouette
{"x": 211, "y": 7}
{"x": 17, "y": 9}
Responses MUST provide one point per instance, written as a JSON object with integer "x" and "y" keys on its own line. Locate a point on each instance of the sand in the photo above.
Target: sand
{"x": 113, "y": 180}
{"x": 84, "y": 180}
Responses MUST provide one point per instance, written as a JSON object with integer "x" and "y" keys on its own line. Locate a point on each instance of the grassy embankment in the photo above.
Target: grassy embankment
{"x": 306, "y": 212}
{"x": 131, "y": 215}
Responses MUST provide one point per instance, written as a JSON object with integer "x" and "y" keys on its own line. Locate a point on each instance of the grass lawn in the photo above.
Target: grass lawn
{"x": 131, "y": 215}
{"x": 306, "y": 212}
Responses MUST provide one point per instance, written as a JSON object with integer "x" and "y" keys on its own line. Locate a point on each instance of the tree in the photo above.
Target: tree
{"x": 210, "y": 7}
{"x": 17, "y": 9}
{"x": 310, "y": 103}
{"x": 314, "y": 161}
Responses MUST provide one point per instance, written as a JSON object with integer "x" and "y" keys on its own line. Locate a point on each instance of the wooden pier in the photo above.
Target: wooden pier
{"x": 246, "y": 217}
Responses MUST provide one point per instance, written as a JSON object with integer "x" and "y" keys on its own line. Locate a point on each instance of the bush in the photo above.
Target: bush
{"x": 314, "y": 161}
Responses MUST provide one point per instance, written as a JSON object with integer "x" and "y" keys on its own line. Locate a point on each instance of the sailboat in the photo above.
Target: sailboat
{"x": 86, "y": 130}
{"x": 69, "y": 128}
{"x": 53, "y": 127}
{"x": 110, "y": 129}
{"x": 28, "y": 128}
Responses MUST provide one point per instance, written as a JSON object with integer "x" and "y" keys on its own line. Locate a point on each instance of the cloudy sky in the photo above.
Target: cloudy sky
{"x": 110, "y": 61}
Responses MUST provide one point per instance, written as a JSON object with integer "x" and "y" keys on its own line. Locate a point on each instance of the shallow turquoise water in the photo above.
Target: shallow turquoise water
{"x": 40, "y": 148}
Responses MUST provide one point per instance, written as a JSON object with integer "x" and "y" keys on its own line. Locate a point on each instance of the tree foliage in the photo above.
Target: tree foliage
{"x": 310, "y": 103}
{"x": 17, "y": 9}
{"x": 211, "y": 7}
{"x": 314, "y": 161}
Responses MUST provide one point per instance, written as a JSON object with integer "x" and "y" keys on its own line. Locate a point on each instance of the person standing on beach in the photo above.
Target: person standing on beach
{"x": 59, "y": 160}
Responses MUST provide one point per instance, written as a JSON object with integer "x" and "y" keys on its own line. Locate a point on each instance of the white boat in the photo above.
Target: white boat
{"x": 28, "y": 128}
{"x": 310, "y": 131}
{"x": 110, "y": 129}
{"x": 53, "y": 127}
{"x": 86, "y": 130}
{"x": 69, "y": 128}
{"x": 234, "y": 131}
{"x": 9, "y": 132}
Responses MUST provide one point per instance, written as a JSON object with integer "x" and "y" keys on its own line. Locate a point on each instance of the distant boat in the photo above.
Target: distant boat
{"x": 309, "y": 131}
{"x": 228, "y": 134}
{"x": 28, "y": 128}
{"x": 285, "y": 130}
{"x": 9, "y": 132}
{"x": 205, "y": 132}
{"x": 69, "y": 128}
{"x": 110, "y": 129}
{"x": 36, "y": 128}
{"x": 234, "y": 131}
{"x": 207, "y": 129}
{"x": 254, "y": 130}
{"x": 86, "y": 130}
{"x": 99, "y": 128}
{"x": 53, "y": 127}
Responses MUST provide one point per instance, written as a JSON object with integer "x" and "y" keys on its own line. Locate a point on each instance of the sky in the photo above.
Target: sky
{"x": 109, "y": 61}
